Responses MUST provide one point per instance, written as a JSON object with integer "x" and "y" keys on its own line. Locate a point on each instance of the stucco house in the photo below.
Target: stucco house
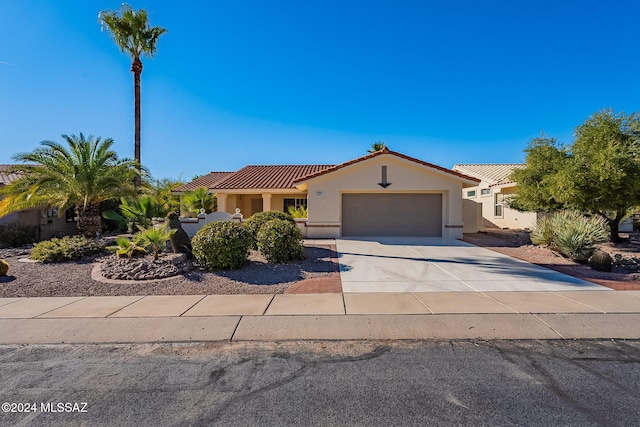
{"x": 383, "y": 193}
{"x": 494, "y": 188}
{"x": 47, "y": 220}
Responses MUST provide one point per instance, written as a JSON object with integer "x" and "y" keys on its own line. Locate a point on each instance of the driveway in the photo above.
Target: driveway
{"x": 433, "y": 264}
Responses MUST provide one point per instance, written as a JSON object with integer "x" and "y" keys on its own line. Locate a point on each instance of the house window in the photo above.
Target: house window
{"x": 498, "y": 210}
{"x": 471, "y": 193}
{"x": 296, "y": 203}
{"x": 485, "y": 192}
{"x": 70, "y": 214}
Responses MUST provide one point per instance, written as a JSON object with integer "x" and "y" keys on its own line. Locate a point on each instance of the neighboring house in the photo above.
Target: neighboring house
{"x": 385, "y": 193}
{"x": 48, "y": 222}
{"x": 494, "y": 189}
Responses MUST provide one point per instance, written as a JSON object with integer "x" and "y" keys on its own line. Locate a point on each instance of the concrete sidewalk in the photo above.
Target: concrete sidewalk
{"x": 348, "y": 316}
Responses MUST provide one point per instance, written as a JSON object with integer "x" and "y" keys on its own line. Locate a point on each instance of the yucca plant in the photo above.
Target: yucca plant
{"x": 154, "y": 238}
{"x": 576, "y": 236}
{"x": 300, "y": 212}
{"x": 542, "y": 234}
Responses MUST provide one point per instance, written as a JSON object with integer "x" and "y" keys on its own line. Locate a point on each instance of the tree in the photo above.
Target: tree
{"x": 377, "y": 146}
{"x": 199, "y": 198}
{"x": 598, "y": 174}
{"x": 130, "y": 30}
{"x": 83, "y": 175}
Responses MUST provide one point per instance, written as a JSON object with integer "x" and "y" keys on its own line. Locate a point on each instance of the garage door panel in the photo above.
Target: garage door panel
{"x": 392, "y": 215}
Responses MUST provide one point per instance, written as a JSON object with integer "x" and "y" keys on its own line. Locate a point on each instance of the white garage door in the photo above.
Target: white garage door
{"x": 373, "y": 214}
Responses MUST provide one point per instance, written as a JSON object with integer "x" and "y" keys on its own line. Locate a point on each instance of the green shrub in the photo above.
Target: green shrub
{"x": 154, "y": 238}
{"x": 572, "y": 234}
{"x": 300, "y": 212}
{"x": 256, "y": 221}
{"x": 4, "y": 267}
{"x": 280, "y": 241}
{"x": 69, "y": 248}
{"x": 125, "y": 248}
{"x": 542, "y": 233}
{"x": 222, "y": 245}
{"x": 13, "y": 235}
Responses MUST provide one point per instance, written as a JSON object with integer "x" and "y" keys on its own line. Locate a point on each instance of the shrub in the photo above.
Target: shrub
{"x": 256, "y": 221}
{"x": 13, "y": 235}
{"x": 154, "y": 238}
{"x": 542, "y": 233}
{"x": 280, "y": 241}
{"x": 127, "y": 248}
{"x": 4, "y": 267}
{"x": 69, "y": 248}
{"x": 572, "y": 234}
{"x": 300, "y": 212}
{"x": 222, "y": 245}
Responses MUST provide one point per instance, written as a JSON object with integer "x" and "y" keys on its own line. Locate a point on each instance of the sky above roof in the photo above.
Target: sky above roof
{"x": 290, "y": 82}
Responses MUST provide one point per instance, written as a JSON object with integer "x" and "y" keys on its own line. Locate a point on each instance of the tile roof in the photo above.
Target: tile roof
{"x": 208, "y": 181}
{"x": 493, "y": 173}
{"x": 393, "y": 153}
{"x": 268, "y": 176}
{"x": 7, "y": 177}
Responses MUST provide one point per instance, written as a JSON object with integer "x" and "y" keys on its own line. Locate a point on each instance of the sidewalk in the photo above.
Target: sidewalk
{"x": 332, "y": 316}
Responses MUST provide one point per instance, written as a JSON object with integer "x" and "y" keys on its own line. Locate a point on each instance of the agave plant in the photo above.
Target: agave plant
{"x": 154, "y": 238}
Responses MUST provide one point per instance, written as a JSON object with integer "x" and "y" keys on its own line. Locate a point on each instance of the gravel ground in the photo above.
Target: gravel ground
{"x": 517, "y": 245}
{"x": 74, "y": 278}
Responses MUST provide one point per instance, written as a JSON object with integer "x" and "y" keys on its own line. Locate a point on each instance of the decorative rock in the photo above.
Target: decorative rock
{"x": 145, "y": 268}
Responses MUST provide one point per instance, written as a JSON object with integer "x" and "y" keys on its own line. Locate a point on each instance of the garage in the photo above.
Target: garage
{"x": 388, "y": 214}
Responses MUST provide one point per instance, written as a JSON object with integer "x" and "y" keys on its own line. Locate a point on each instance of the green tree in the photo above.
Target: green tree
{"x": 130, "y": 30}
{"x": 377, "y": 146}
{"x": 161, "y": 191}
{"x": 83, "y": 175}
{"x": 599, "y": 173}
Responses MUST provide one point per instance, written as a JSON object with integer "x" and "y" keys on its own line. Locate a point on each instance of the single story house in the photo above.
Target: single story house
{"x": 47, "y": 220}
{"x": 495, "y": 186}
{"x": 385, "y": 193}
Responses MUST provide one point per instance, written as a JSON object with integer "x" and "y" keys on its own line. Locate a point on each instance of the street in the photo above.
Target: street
{"x": 349, "y": 383}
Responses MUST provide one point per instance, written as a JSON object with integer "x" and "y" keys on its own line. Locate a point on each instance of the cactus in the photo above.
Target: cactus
{"x": 601, "y": 261}
{"x": 4, "y": 267}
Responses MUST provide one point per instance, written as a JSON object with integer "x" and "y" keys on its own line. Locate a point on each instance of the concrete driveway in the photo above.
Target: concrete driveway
{"x": 401, "y": 264}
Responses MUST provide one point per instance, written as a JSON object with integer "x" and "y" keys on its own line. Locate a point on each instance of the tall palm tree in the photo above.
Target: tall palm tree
{"x": 131, "y": 32}
{"x": 377, "y": 146}
{"x": 83, "y": 175}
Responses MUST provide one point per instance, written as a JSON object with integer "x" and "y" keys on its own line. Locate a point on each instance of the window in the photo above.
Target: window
{"x": 498, "y": 210}
{"x": 296, "y": 203}
{"x": 485, "y": 192}
{"x": 70, "y": 215}
{"x": 471, "y": 193}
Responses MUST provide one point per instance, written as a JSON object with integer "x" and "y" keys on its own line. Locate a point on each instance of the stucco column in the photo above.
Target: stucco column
{"x": 222, "y": 202}
{"x": 266, "y": 202}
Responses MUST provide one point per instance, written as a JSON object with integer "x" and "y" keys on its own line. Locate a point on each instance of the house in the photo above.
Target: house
{"x": 385, "y": 193}
{"x": 47, "y": 220}
{"x": 494, "y": 189}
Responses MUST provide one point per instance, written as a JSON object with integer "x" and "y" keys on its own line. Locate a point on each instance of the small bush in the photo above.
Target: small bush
{"x": 222, "y": 245}
{"x": 69, "y": 248}
{"x": 542, "y": 233}
{"x": 4, "y": 267}
{"x": 572, "y": 234}
{"x": 125, "y": 248}
{"x": 13, "y": 235}
{"x": 256, "y": 221}
{"x": 280, "y": 241}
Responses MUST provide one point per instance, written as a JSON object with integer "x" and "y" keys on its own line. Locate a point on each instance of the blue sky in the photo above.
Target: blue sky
{"x": 252, "y": 82}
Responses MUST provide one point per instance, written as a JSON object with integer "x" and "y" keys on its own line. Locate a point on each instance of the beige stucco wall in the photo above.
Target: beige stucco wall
{"x": 49, "y": 226}
{"x": 244, "y": 201}
{"x": 325, "y": 192}
{"x": 510, "y": 218}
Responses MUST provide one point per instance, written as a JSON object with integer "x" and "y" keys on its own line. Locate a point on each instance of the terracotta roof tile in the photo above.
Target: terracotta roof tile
{"x": 7, "y": 177}
{"x": 207, "y": 181}
{"x": 493, "y": 173}
{"x": 393, "y": 153}
{"x": 267, "y": 176}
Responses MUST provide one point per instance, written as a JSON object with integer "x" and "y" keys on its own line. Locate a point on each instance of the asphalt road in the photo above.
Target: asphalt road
{"x": 533, "y": 383}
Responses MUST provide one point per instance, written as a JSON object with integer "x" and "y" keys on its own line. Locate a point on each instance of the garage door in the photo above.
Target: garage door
{"x": 392, "y": 215}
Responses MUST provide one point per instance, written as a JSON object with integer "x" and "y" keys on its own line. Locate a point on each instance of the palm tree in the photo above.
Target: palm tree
{"x": 377, "y": 146}
{"x": 83, "y": 175}
{"x": 154, "y": 238}
{"x": 133, "y": 35}
{"x": 199, "y": 198}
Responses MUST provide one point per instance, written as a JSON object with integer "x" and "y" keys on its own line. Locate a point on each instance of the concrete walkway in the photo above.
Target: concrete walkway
{"x": 348, "y": 316}
{"x": 435, "y": 264}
